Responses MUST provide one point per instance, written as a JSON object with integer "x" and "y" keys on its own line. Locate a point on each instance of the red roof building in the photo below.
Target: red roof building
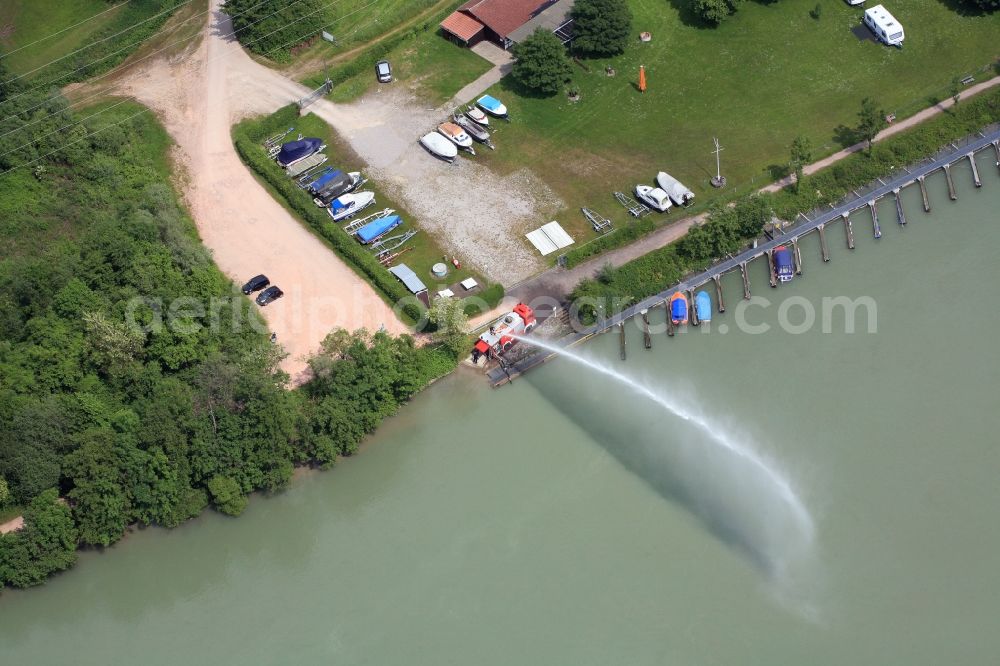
{"x": 494, "y": 19}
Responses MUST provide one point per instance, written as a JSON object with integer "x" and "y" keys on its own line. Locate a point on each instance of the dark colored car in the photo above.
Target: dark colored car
{"x": 383, "y": 71}
{"x": 255, "y": 284}
{"x": 272, "y": 293}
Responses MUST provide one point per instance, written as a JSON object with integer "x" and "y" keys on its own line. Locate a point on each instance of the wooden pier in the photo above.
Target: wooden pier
{"x": 692, "y": 310}
{"x": 797, "y": 256}
{"x": 951, "y": 183}
{"x": 975, "y": 170}
{"x": 848, "y": 231}
{"x": 900, "y": 217}
{"x": 876, "y": 229}
{"x": 770, "y": 268}
{"x": 647, "y": 339}
{"x": 923, "y": 194}
{"x": 893, "y": 186}
{"x": 718, "y": 293}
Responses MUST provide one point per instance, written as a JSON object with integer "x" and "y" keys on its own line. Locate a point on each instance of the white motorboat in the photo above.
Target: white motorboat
{"x": 477, "y": 116}
{"x": 654, "y": 197}
{"x": 349, "y": 205}
{"x": 677, "y": 192}
{"x": 438, "y": 145}
{"x": 457, "y": 135}
{"x": 492, "y": 106}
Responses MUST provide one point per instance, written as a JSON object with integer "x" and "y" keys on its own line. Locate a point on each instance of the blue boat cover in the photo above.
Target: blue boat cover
{"x": 376, "y": 228}
{"x": 318, "y": 176}
{"x": 321, "y": 182}
{"x": 703, "y": 304}
{"x": 679, "y": 308}
{"x": 489, "y": 102}
{"x": 339, "y": 205}
{"x": 296, "y": 150}
{"x": 783, "y": 261}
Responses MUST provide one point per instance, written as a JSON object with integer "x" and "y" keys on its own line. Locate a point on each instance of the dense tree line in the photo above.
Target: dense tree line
{"x": 601, "y": 27}
{"x": 272, "y": 28}
{"x": 108, "y": 419}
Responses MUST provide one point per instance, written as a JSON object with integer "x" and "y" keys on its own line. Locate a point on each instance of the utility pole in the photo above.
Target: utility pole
{"x": 718, "y": 180}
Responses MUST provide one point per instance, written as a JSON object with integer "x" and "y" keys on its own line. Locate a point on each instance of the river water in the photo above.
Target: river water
{"x": 568, "y": 519}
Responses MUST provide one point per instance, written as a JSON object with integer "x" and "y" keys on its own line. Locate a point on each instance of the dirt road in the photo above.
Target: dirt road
{"x": 12, "y": 525}
{"x": 199, "y": 96}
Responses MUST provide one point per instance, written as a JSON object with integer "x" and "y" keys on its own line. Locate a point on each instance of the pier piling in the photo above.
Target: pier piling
{"x": 996, "y": 150}
{"x": 797, "y": 256}
{"x": 951, "y": 183}
{"x": 647, "y": 339}
{"x": 670, "y": 322}
{"x": 718, "y": 293}
{"x": 876, "y": 229}
{"x": 923, "y": 194}
{"x": 848, "y": 230}
{"x": 770, "y": 269}
{"x": 900, "y": 217}
{"x": 746, "y": 280}
{"x": 975, "y": 170}
{"x": 692, "y": 310}
{"x": 621, "y": 330}
{"x": 822, "y": 241}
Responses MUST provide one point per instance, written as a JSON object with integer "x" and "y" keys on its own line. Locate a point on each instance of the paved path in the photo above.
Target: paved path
{"x": 502, "y": 61}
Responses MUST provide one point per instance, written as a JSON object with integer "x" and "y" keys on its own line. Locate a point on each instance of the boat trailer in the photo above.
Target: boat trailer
{"x": 634, "y": 208}
{"x": 353, "y": 227}
{"x": 385, "y": 246}
{"x": 598, "y": 221}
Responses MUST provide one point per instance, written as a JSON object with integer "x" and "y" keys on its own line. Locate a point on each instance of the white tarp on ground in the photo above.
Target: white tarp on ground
{"x": 549, "y": 238}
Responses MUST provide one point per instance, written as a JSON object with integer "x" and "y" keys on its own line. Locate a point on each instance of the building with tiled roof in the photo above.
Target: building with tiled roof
{"x": 499, "y": 20}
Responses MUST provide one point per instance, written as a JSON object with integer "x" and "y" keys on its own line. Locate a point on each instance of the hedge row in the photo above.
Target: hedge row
{"x": 618, "y": 238}
{"x": 362, "y": 260}
{"x": 364, "y": 60}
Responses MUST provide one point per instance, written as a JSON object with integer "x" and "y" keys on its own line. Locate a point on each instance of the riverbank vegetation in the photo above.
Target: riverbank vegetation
{"x": 729, "y": 228}
{"x": 137, "y": 384}
{"x": 248, "y": 137}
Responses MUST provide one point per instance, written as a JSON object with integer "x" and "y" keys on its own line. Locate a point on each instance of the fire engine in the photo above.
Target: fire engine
{"x": 501, "y": 334}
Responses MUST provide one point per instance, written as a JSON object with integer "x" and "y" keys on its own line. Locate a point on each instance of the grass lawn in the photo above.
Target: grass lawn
{"x": 424, "y": 252}
{"x": 23, "y": 22}
{"x": 432, "y": 67}
{"x": 769, "y": 73}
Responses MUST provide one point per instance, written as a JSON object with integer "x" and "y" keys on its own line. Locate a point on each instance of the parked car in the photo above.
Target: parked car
{"x": 383, "y": 70}
{"x": 270, "y": 294}
{"x": 255, "y": 284}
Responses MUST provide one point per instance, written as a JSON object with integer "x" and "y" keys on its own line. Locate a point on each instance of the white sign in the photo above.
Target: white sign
{"x": 328, "y": 37}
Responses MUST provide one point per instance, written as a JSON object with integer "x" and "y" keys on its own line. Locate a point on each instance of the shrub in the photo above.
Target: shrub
{"x": 541, "y": 64}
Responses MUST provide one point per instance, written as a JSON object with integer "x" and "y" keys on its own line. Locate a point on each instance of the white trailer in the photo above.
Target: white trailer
{"x": 886, "y": 28}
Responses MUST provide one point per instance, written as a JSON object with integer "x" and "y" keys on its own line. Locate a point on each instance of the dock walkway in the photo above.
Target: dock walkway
{"x": 955, "y": 152}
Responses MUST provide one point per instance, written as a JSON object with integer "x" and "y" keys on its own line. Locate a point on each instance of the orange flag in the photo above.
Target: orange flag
{"x": 642, "y": 78}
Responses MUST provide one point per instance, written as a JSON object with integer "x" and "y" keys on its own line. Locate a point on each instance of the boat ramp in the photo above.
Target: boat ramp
{"x": 817, "y": 223}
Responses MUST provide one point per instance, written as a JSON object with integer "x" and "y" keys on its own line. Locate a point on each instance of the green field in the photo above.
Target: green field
{"x": 433, "y": 68}
{"x": 54, "y": 43}
{"x": 769, "y": 73}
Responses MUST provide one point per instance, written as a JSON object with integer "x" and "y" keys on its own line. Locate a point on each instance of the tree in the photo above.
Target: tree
{"x": 956, "y": 89}
{"x": 46, "y": 543}
{"x": 982, "y": 5}
{"x": 4, "y": 491}
{"x": 601, "y": 27}
{"x": 871, "y": 120}
{"x": 801, "y": 153}
{"x": 451, "y": 324}
{"x": 716, "y": 11}
{"x": 541, "y": 63}
{"x": 227, "y": 495}
{"x": 272, "y": 28}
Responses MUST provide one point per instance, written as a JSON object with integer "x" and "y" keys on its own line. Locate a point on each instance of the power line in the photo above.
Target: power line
{"x": 62, "y": 76}
{"x": 38, "y": 41}
{"x": 145, "y": 110}
{"x": 84, "y": 48}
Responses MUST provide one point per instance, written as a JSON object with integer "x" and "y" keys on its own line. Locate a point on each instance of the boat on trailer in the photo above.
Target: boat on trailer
{"x": 677, "y": 192}
{"x": 783, "y": 268}
{"x": 296, "y": 151}
{"x": 473, "y": 129}
{"x": 678, "y": 308}
{"x": 654, "y": 197}
{"x": 703, "y": 305}
{"x": 439, "y": 146}
{"x": 477, "y": 116}
{"x": 457, "y": 135}
{"x": 305, "y": 164}
{"x": 375, "y": 229}
{"x": 338, "y": 186}
{"x": 348, "y": 205}
{"x": 492, "y": 106}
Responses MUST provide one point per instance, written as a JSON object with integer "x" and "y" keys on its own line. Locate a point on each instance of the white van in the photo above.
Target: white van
{"x": 886, "y": 28}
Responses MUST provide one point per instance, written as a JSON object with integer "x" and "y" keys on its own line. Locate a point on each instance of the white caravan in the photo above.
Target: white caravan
{"x": 886, "y": 28}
